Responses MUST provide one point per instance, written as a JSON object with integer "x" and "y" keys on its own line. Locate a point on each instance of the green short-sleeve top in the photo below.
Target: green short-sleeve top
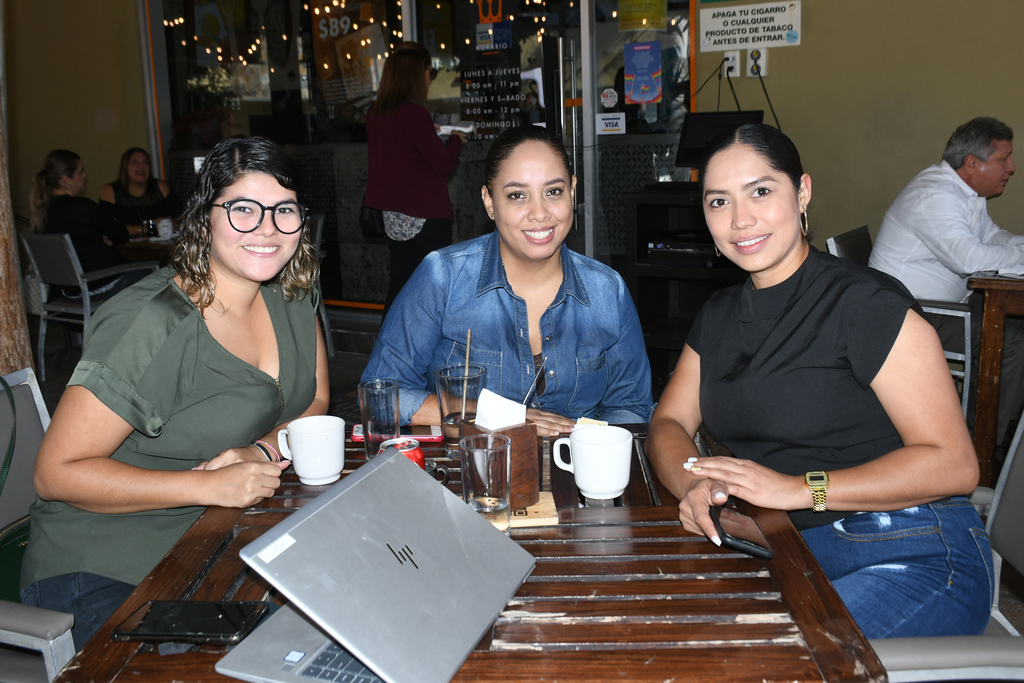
{"x": 150, "y": 358}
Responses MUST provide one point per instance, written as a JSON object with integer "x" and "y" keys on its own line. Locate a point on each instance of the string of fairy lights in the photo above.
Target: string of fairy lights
{"x": 334, "y": 18}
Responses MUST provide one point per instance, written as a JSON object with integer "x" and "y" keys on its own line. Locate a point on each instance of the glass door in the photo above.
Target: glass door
{"x": 505, "y": 63}
{"x": 638, "y": 93}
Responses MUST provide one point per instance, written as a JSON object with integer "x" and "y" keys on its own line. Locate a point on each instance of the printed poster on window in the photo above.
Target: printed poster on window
{"x": 643, "y": 72}
{"x": 635, "y": 15}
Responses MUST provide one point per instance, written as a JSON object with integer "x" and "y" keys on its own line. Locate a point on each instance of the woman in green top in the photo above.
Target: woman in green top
{"x": 181, "y": 376}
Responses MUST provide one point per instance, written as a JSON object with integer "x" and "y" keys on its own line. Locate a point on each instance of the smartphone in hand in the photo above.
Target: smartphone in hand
{"x": 740, "y": 532}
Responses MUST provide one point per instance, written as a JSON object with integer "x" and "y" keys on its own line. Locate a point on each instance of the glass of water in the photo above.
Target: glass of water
{"x": 378, "y": 407}
{"x": 486, "y": 483}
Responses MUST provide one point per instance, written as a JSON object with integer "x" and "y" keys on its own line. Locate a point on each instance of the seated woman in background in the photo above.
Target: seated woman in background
{"x": 832, "y": 392}
{"x": 136, "y": 195}
{"x": 533, "y": 306}
{"x": 57, "y": 208}
{"x": 183, "y": 378}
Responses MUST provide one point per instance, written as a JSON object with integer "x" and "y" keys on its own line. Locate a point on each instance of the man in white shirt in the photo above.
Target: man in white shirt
{"x": 938, "y": 232}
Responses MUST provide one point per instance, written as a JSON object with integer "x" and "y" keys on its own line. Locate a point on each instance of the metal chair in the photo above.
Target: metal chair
{"x": 998, "y": 654}
{"x": 855, "y": 247}
{"x": 54, "y": 260}
{"x": 21, "y": 626}
{"x": 316, "y": 229}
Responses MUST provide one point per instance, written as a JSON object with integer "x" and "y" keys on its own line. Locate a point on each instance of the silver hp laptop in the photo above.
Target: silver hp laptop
{"x": 393, "y": 567}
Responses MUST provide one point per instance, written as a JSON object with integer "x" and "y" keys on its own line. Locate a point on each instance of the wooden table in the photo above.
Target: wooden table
{"x": 618, "y": 593}
{"x": 147, "y": 249}
{"x": 1003, "y": 297}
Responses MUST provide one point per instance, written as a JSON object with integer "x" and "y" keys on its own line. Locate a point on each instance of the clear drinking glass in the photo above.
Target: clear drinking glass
{"x": 454, "y": 383}
{"x": 378, "y": 407}
{"x": 486, "y": 483}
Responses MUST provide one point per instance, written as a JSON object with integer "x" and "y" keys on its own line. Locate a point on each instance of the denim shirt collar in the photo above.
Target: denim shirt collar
{"x": 492, "y": 274}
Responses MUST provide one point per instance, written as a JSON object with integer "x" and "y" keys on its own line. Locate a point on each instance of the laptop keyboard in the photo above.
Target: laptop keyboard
{"x": 336, "y": 664}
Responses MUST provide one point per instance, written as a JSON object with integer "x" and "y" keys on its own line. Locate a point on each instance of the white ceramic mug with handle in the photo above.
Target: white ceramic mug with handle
{"x": 601, "y": 458}
{"x": 316, "y": 447}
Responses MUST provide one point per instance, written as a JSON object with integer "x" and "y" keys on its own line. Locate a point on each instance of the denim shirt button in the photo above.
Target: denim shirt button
{"x": 551, "y": 373}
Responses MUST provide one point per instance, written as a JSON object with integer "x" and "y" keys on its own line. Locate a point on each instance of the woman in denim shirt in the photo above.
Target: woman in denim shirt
{"x": 532, "y": 304}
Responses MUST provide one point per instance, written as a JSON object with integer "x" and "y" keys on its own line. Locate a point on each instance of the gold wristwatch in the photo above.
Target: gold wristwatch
{"x": 817, "y": 482}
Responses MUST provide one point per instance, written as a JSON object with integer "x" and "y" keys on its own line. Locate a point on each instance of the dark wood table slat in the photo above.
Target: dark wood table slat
{"x": 592, "y": 589}
{"x": 654, "y": 606}
{"x": 620, "y": 633}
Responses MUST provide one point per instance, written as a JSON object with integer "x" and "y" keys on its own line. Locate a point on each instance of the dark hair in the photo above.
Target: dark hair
{"x": 771, "y": 144}
{"x": 402, "y": 79}
{"x": 59, "y": 164}
{"x": 226, "y": 164}
{"x": 122, "y": 173}
{"x": 506, "y": 143}
{"x": 977, "y": 137}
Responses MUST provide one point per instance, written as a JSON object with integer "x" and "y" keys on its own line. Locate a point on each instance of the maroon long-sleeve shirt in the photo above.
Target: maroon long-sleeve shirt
{"x": 409, "y": 164}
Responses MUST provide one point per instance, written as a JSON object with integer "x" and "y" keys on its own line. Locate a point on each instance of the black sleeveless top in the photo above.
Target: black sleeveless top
{"x": 128, "y": 209}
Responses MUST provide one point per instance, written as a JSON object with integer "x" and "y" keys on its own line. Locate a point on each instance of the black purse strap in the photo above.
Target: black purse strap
{"x": 14, "y": 432}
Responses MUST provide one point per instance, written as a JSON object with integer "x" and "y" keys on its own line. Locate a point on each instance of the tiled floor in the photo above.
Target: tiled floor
{"x": 352, "y": 352}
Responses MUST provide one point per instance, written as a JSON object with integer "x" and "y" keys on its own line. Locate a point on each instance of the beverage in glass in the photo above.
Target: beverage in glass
{"x": 378, "y": 407}
{"x": 458, "y": 389}
{"x": 486, "y": 483}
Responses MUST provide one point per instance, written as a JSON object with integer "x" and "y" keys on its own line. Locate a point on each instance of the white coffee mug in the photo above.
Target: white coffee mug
{"x": 601, "y": 457}
{"x": 316, "y": 447}
{"x": 164, "y": 228}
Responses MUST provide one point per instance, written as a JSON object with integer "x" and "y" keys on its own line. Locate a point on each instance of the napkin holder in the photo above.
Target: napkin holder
{"x": 525, "y": 474}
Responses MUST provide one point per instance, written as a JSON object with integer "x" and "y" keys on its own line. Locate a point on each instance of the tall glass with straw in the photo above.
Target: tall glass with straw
{"x": 458, "y": 389}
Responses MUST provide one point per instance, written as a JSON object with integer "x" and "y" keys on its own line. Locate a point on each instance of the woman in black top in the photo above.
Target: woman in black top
{"x": 95, "y": 235}
{"x": 832, "y": 392}
{"x": 136, "y": 195}
{"x": 56, "y": 208}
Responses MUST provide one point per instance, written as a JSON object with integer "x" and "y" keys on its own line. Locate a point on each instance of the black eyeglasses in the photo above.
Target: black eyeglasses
{"x": 433, "y": 73}
{"x": 245, "y": 215}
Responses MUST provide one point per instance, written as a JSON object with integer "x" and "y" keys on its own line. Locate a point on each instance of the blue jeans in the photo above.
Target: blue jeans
{"x": 922, "y": 571}
{"x": 89, "y": 597}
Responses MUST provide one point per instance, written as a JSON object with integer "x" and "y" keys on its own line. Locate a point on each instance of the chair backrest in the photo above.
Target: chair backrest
{"x": 1006, "y": 516}
{"x": 55, "y": 259}
{"x": 854, "y": 246}
{"x": 32, "y": 420}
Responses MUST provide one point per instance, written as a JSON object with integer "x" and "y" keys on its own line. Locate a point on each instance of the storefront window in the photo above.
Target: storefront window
{"x": 295, "y": 71}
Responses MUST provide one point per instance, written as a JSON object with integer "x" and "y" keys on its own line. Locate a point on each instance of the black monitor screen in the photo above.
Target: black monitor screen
{"x": 700, "y": 128}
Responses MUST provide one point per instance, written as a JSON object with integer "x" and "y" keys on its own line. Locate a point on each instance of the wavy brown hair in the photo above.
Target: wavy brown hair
{"x": 402, "y": 80}
{"x": 225, "y": 165}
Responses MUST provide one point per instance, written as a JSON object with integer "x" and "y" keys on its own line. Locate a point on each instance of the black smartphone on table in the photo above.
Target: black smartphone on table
{"x": 740, "y": 532}
{"x": 224, "y": 623}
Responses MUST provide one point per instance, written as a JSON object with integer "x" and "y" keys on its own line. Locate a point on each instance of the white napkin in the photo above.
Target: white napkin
{"x": 495, "y": 412}
{"x": 466, "y": 127}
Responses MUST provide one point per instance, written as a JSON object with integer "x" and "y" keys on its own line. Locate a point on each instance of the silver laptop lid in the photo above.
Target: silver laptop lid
{"x": 394, "y": 567}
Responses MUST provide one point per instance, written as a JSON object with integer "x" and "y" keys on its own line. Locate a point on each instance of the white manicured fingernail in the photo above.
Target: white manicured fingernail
{"x": 691, "y": 460}
{"x": 720, "y": 496}
{"x": 687, "y": 465}
{"x": 716, "y": 540}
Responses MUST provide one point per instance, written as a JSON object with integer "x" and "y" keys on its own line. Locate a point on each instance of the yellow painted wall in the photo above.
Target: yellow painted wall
{"x": 875, "y": 90}
{"x": 74, "y": 82}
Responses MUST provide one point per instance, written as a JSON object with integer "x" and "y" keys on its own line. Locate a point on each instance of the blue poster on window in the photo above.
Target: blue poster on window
{"x": 643, "y": 72}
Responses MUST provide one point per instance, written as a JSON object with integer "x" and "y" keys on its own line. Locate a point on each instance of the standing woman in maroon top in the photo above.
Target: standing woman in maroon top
{"x": 409, "y": 164}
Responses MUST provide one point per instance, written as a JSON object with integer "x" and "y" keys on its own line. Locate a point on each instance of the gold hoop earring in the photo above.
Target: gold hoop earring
{"x": 804, "y": 224}
{"x": 717, "y": 253}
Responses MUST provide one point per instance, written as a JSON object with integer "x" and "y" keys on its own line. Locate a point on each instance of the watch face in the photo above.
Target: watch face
{"x": 816, "y": 479}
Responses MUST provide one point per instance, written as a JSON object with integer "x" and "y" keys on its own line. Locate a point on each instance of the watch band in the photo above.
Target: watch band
{"x": 817, "y": 483}
{"x": 820, "y": 496}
